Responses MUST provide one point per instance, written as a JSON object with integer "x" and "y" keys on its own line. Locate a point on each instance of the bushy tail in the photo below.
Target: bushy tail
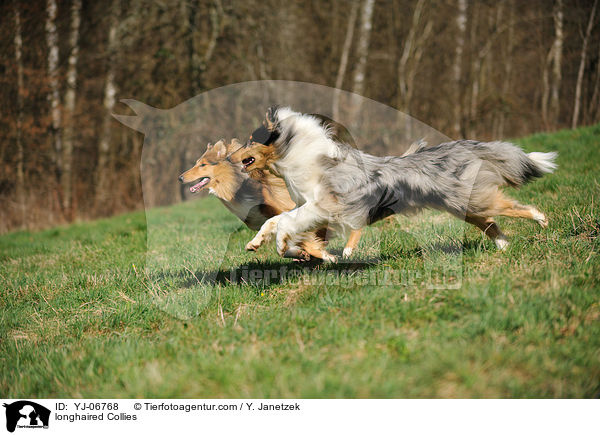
{"x": 512, "y": 163}
{"x": 544, "y": 162}
{"x": 534, "y": 165}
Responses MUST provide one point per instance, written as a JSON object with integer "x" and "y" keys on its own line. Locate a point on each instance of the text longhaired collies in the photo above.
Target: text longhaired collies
{"x": 335, "y": 184}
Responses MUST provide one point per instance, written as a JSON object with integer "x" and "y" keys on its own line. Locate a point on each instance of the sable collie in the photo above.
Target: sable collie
{"x": 253, "y": 197}
{"x": 335, "y": 184}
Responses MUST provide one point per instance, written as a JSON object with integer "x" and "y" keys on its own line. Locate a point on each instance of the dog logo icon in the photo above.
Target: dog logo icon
{"x": 26, "y": 414}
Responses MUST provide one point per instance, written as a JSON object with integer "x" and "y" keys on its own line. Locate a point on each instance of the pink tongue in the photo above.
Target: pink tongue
{"x": 198, "y": 186}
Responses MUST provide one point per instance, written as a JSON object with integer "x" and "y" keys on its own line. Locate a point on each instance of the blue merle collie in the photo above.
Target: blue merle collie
{"x": 337, "y": 185}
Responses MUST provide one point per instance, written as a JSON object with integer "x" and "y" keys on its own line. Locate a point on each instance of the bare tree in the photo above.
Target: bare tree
{"x": 53, "y": 96}
{"x": 339, "y": 81}
{"x": 551, "y": 88}
{"x": 198, "y": 61}
{"x": 477, "y": 61}
{"x": 191, "y": 12}
{"x": 362, "y": 50}
{"x": 482, "y": 58}
{"x": 110, "y": 90}
{"x": 579, "y": 84}
{"x": 412, "y": 53}
{"x": 500, "y": 119}
{"x": 70, "y": 95}
{"x": 557, "y": 64}
{"x": 595, "y": 100}
{"x": 19, "y": 132}
{"x": 461, "y": 24}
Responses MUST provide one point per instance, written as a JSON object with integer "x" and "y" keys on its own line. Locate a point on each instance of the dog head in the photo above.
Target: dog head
{"x": 259, "y": 151}
{"x": 210, "y": 167}
{"x": 256, "y": 156}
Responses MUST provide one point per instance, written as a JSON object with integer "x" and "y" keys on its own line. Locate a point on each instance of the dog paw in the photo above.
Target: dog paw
{"x": 253, "y": 245}
{"x": 542, "y": 220}
{"x": 329, "y": 258}
{"x": 297, "y": 254}
{"x": 347, "y": 253}
{"x": 501, "y": 244}
{"x": 301, "y": 257}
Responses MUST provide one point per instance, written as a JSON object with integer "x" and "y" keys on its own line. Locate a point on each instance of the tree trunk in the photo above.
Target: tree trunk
{"x": 482, "y": 61}
{"x": 339, "y": 80}
{"x": 595, "y": 101}
{"x": 362, "y": 51}
{"x": 198, "y": 62}
{"x": 193, "y": 56}
{"x": 412, "y": 50}
{"x": 70, "y": 95}
{"x": 579, "y": 84}
{"x": 461, "y": 24}
{"x": 417, "y": 56}
{"x": 470, "y": 110}
{"x": 408, "y": 64}
{"x": 557, "y": 63}
{"x": 53, "y": 96}
{"x": 103, "y": 167}
{"x": 551, "y": 87}
{"x": 498, "y": 130}
{"x": 216, "y": 28}
{"x": 20, "y": 88}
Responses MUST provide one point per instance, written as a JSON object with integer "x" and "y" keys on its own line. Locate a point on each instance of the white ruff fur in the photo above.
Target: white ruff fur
{"x": 302, "y": 171}
{"x": 300, "y": 166}
{"x": 303, "y": 176}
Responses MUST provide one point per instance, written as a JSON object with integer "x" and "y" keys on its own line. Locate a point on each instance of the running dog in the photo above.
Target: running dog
{"x": 334, "y": 184}
{"x": 253, "y": 197}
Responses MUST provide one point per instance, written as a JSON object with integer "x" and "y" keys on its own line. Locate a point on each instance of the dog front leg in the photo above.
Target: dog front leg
{"x": 307, "y": 217}
{"x": 264, "y": 234}
{"x": 352, "y": 243}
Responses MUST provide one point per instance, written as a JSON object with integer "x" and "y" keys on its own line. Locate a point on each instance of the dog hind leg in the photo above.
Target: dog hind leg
{"x": 505, "y": 206}
{"x": 314, "y": 248}
{"x": 490, "y": 228}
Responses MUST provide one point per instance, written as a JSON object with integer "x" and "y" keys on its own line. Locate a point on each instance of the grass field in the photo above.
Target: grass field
{"x": 88, "y": 311}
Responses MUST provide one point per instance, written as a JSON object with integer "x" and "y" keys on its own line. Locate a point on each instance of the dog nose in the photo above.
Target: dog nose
{"x": 181, "y": 178}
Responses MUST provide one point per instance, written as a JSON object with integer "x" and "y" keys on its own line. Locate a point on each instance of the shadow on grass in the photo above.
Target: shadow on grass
{"x": 264, "y": 274}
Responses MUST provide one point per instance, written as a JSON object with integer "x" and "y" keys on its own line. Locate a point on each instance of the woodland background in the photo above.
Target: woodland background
{"x": 477, "y": 69}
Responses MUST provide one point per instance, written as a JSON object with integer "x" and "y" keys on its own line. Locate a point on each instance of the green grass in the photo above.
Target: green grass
{"x": 78, "y": 319}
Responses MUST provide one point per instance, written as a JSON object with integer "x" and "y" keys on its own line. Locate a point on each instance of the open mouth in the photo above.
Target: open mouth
{"x": 200, "y": 184}
{"x": 247, "y": 162}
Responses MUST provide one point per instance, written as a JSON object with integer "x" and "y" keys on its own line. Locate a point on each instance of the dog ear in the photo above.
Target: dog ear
{"x": 261, "y": 135}
{"x": 271, "y": 117}
{"x": 234, "y": 145}
{"x": 221, "y": 149}
{"x": 208, "y": 146}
